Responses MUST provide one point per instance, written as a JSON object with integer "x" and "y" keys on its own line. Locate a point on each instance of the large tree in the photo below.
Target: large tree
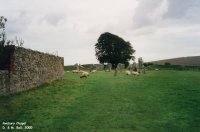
{"x": 2, "y": 38}
{"x": 113, "y": 49}
{"x": 2, "y": 33}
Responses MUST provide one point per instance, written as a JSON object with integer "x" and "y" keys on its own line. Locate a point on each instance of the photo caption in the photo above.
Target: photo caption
{"x": 15, "y": 126}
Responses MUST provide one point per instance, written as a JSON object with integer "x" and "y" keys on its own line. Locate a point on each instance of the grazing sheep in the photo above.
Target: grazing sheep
{"x": 135, "y": 73}
{"x": 84, "y": 74}
{"x": 132, "y": 73}
{"x": 93, "y": 71}
{"x": 107, "y": 71}
{"x": 128, "y": 72}
{"x": 75, "y": 71}
{"x": 67, "y": 71}
{"x": 80, "y": 71}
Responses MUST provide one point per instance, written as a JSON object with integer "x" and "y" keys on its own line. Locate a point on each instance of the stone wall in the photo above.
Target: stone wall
{"x": 30, "y": 69}
{"x": 4, "y": 81}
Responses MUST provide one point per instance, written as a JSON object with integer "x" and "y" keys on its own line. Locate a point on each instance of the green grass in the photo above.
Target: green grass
{"x": 159, "y": 101}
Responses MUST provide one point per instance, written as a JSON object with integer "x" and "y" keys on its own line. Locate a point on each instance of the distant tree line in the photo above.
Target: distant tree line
{"x": 169, "y": 66}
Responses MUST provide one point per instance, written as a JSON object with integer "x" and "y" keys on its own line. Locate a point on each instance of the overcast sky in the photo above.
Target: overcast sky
{"x": 157, "y": 29}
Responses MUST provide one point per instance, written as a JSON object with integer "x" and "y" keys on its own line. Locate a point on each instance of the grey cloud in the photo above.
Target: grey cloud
{"x": 18, "y": 23}
{"x": 145, "y": 13}
{"x": 53, "y": 19}
{"x": 183, "y": 8}
{"x": 157, "y": 14}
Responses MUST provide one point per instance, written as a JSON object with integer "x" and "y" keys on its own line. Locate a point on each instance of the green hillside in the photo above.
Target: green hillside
{"x": 183, "y": 61}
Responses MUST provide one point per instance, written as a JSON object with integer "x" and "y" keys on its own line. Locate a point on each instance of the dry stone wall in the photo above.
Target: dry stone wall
{"x": 30, "y": 69}
{"x": 4, "y": 81}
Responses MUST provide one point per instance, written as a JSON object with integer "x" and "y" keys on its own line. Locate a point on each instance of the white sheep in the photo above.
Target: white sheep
{"x": 93, "y": 71}
{"x": 135, "y": 73}
{"x": 84, "y": 74}
{"x": 128, "y": 72}
{"x": 132, "y": 73}
{"x": 75, "y": 71}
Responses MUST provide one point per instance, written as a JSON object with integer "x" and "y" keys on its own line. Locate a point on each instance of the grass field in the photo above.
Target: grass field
{"x": 159, "y": 101}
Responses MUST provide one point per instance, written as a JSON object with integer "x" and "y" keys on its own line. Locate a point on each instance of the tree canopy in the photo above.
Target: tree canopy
{"x": 113, "y": 49}
{"x": 2, "y": 31}
{"x": 2, "y": 34}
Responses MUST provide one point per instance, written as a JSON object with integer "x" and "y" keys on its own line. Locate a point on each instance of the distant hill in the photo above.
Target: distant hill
{"x": 183, "y": 61}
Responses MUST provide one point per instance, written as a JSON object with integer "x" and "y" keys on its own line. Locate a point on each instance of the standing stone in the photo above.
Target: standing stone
{"x": 140, "y": 65}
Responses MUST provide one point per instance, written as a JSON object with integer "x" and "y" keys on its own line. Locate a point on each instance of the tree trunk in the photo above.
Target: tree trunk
{"x": 104, "y": 67}
{"x": 115, "y": 74}
{"x": 114, "y": 66}
{"x": 116, "y": 69}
